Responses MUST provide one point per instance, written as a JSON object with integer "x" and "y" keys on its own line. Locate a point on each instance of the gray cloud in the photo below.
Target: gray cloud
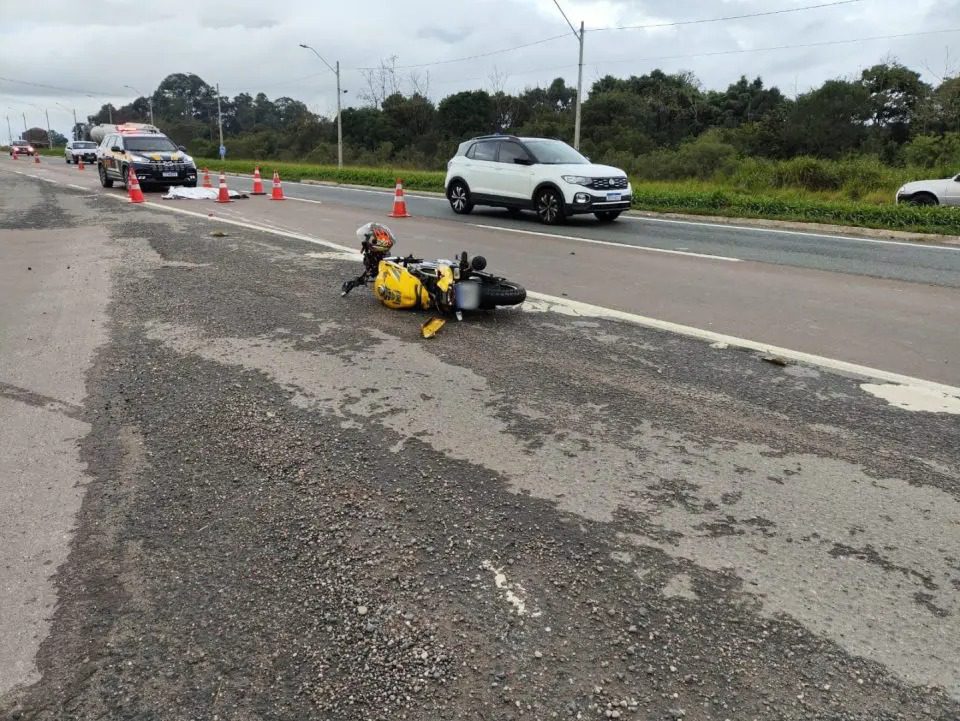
{"x": 446, "y": 35}
{"x": 249, "y": 49}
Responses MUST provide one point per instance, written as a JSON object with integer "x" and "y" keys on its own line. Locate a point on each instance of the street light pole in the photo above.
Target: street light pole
{"x": 579, "y": 37}
{"x": 335, "y": 71}
{"x": 73, "y": 131}
{"x": 49, "y": 133}
{"x": 149, "y": 101}
{"x": 219, "y": 118}
{"x": 9, "y": 132}
{"x": 576, "y": 126}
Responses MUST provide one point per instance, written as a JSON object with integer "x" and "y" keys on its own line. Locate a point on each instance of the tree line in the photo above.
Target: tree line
{"x": 888, "y": 112}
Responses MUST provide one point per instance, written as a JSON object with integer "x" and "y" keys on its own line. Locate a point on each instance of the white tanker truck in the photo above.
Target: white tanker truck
{"x": 99, "y": 132}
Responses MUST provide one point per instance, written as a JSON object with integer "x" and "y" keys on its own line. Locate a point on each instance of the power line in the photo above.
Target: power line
{"x": 726, "y": 17}
{"x": 471, "y": 57}
{"x": 568, "y": 66}
{"x": 71, "y": 91}
{"x": 622, "y": 27}
{"x": 774, "y": 47}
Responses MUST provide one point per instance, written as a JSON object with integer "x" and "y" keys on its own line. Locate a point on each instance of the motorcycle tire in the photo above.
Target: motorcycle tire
{"x": 501, "y": 292}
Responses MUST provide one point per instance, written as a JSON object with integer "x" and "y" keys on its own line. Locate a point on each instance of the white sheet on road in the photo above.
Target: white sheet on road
{"x": 179, "y": 192}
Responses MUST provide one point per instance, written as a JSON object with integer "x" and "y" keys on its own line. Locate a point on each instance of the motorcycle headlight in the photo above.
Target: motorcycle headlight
{"x": 577, "y": 179}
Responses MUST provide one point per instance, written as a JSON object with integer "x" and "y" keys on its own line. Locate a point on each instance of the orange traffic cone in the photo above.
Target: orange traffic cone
{"x": 277, "y": 193}
{"x": 133, "y": 186}
{"x": 257, "y": 183}
{"x": 36, "y": 158}
{"x": 224, "y": 195}
{"x": 399, "y": 204}
{"x": 80, "y": 163}
{"x": 206, "y": 179}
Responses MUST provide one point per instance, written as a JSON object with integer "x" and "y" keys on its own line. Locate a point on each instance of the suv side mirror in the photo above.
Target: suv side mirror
{"x": 116, "y": 149}
{"x": 181, "y": 149}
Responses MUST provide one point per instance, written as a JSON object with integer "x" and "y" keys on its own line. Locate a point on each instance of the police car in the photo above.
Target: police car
{"x": 155, "y": 159}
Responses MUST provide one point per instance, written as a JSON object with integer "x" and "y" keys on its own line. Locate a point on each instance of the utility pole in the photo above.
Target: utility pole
{"x": 576, "y": 126}
{"x": 49, "y": 133}
{"x": 24, "y": 124}
{"x": 149, "y": 101}
{"x": 9, "y": 132}
{"x": 579, "y": 37}
{"x": 339, "y": 123}
{"x": 73, "y": 132}
{"x": 335, "y": 71}
{"x": 220, "y": 123}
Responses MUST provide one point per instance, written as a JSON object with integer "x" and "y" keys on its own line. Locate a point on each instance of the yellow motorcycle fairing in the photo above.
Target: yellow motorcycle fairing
{"x": 396, "y": 287}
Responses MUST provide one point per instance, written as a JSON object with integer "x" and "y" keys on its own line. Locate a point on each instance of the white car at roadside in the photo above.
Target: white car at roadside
{"x": 945, "y": 191}
{"x": 76, "y": 150}
{"x": 546, "y": 176}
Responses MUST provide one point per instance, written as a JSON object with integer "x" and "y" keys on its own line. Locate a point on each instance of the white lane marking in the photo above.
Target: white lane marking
{"x": 607, "y": 242}
{"x": 757, "y": 229}
{"x": 914, "y": 398}
{"x": 575, "y": 307}
{"x": 334, "y": 255}
{"x": 570, "y": 307}
{"x": 77, "y": 187}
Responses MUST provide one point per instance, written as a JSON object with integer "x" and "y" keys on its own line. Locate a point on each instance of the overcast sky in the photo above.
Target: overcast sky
{"x": 97, "y": 47}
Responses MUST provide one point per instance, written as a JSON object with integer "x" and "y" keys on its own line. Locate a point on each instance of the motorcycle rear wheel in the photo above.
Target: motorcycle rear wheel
{"x": 501, "y": 292}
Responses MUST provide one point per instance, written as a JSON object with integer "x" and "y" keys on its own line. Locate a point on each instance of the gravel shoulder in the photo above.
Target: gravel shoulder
{"x": 299, "y": 509}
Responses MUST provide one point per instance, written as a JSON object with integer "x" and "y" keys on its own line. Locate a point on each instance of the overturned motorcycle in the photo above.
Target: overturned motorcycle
{"x": 450, "y": 287}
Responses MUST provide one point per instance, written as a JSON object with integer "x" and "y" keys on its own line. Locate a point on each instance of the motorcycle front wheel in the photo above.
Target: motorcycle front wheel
{"x": 501, "y": 292}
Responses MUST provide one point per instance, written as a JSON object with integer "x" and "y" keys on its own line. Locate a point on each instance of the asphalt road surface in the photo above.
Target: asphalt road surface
{"x": 253, "y": 499}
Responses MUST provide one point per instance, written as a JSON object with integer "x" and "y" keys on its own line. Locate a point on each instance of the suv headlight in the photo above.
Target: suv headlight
{"x": 139, "y": 158}
{"x": 577, "y": 179}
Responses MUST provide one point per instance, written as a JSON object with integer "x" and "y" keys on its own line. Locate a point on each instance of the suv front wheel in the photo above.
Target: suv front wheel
{"x": 459, "y": 197}
{"x": 104, "y": 180}
{"x": 549, "y": 206}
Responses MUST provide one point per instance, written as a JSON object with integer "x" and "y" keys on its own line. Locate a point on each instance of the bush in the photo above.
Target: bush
{"x": 934, "y": 151}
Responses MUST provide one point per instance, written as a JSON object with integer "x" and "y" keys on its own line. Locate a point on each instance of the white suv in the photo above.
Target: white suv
{"x": 547, "y": 176}
{"x": 931, "y": 192}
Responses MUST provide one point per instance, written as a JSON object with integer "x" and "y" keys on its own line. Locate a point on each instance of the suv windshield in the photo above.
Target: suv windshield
{"x": 555, "y": 152}
{"x": 84, "y": 145}
{"x": 141, "y": 144}
{"x": 20, "y": 142}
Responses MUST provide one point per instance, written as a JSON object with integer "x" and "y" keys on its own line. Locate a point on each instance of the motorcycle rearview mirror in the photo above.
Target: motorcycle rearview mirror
{"x": 478, "y": 263}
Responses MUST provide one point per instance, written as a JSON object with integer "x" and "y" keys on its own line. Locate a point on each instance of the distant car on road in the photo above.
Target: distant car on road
{"x": 77, "y": 149}
{"x": 546, "y": 176}
{"x": 931, "y": 192}
{"x": 22, "y": 147}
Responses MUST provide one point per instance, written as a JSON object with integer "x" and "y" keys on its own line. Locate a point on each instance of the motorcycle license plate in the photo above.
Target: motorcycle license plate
{"x": 614, "y": 197}
{"x": 170, "y": 174}
{"x": 467, "y": 295}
